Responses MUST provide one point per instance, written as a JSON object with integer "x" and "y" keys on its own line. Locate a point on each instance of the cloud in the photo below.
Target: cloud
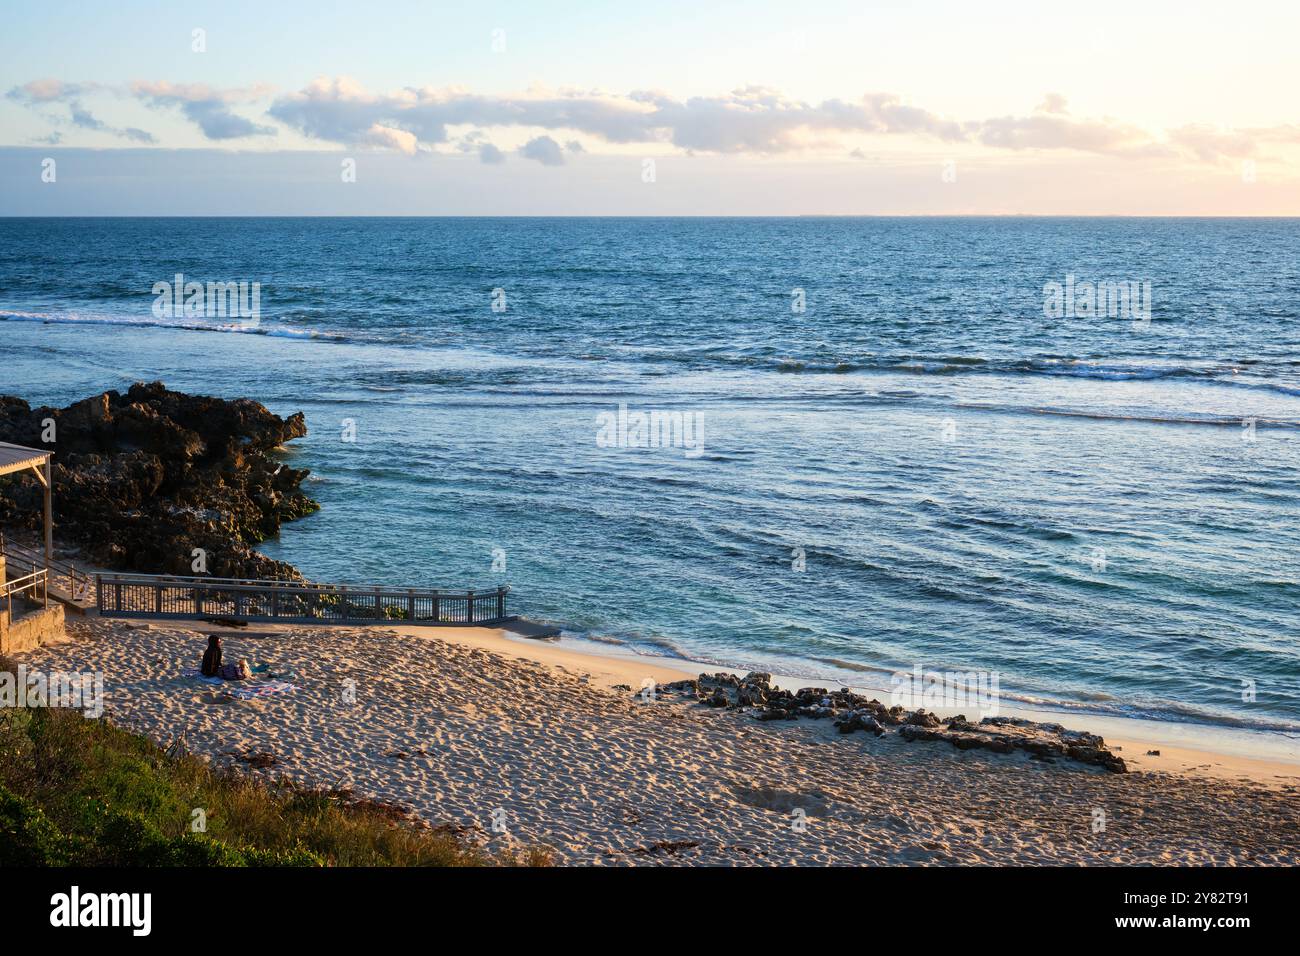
{"x": 50, "y": 92}
{"x": 1217, "y": 144}
{"x": 336, "y": 109}
{"x": 83, "y": 119}
{"x": 476, "y": 142}
{"x": 756, "y": 119}
{"x": 1053, "y": 103}
{"x": 752, "y": 120}
{"x": 1043, "y": 131}
{"x": 339, "y": 110}
{"x": 388, "y": 137}
{"x": 205, "y": 106}
{"x": 543, "y": 149}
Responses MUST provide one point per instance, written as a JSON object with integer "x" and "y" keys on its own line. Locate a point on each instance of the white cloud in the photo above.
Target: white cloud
{"x": 42, "y": 94}
{"x": 51, "y": 91}
{"x": 1053, "y": 103}
{"x": 389, "y": 137}
{"x": 1042, "y": 131}
{"x": 749, "y": 120}
{"x": 208, "y": 107}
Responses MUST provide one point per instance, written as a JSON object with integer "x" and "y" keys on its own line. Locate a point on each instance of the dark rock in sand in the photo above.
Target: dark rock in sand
{"x": 753, "y": 690}
{"x": 851, "y": 712}
{"x": 860, "y": 720}
{"x": 917, "y": 732}
{"x": 142, "y": 479}
{"x": 718, "y": 698}
{"x": 680, "y": 686}
{"x": 1041, "y": 741}
{"x": 923, "y": 718}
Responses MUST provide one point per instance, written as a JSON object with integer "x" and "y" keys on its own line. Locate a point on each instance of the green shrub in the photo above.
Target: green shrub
{"x": 27, "y": 836}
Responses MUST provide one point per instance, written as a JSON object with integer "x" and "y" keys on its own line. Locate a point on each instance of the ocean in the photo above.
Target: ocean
{"x": 881, "y": 443}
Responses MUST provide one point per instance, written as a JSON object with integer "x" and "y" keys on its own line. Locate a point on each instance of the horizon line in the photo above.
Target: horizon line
{"x": 865, "y": 215}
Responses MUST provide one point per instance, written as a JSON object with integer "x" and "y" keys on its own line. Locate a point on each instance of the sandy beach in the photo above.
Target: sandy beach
{"x": 526, "y": 743}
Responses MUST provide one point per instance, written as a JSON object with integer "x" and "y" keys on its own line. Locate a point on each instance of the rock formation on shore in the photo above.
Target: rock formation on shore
{"x": 143, "y": 479}
{"x": 849, "y": 712}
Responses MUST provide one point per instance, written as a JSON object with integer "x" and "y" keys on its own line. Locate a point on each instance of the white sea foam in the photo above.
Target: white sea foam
{"x": 78, "y": 318}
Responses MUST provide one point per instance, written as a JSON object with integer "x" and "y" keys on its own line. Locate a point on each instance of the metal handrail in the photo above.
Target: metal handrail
{"x": 78, "y": 580}
{"x": 19, "y": 584}
{"x": 25, "y": 583}
{"x": 178, "y": 580}
{"x": 188, "y": 597}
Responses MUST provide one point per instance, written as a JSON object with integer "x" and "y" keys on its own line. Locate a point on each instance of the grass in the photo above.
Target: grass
{"x": 81, "y": 792}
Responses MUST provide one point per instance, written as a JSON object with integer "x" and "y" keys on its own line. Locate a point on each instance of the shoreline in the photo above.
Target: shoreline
{"x": 839, "y": 675}
{"x": 1184, "y": 748}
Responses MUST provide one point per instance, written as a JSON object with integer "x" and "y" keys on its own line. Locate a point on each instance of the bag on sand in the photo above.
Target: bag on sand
{"x": 240, "y": 671}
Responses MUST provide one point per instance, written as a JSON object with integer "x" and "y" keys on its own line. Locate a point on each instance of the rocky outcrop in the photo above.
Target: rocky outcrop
{"x": 851, "y": 712}
{"x": 143, "y": 479}
{"x": 1046, "y": 742}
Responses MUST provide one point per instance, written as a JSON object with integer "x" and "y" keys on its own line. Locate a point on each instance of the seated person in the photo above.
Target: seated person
{"x": 212, "y": 658}
{"x": 212, "y": 666}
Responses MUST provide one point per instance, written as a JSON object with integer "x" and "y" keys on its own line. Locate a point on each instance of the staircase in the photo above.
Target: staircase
{"x": 65, "y": 582}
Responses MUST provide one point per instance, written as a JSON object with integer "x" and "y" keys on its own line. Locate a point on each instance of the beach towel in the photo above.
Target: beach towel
{"x": 280, "y": 673}
{"x": 245, "y": 690}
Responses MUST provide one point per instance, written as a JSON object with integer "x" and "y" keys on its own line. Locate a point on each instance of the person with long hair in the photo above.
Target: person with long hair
{"x": 212, "y": 657}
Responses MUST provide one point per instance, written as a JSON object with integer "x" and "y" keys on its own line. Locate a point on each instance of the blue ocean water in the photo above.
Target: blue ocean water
{"x": 921, "y": 467}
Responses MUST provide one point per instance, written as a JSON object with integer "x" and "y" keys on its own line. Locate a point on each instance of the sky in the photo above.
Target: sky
{"x": 667, "y": 108}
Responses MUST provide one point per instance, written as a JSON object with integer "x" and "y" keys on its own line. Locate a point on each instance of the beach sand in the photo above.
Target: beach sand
{"x": 528, "y": 743}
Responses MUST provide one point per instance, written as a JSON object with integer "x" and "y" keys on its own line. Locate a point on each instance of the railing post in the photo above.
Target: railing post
{"x": 469, "y": 608}
{"x": 99, "y": 593}
{"x": 198, "y": 601}
{"x": 501, "y": 601}
{"x": 275, "y": 602}
{"x": 437, "y": 608}
{"x": 343, "y": 601}
{"x": 410, "y": 604}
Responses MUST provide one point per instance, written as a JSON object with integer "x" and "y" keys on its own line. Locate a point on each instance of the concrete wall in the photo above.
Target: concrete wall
{"x": 31, "y": 630}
